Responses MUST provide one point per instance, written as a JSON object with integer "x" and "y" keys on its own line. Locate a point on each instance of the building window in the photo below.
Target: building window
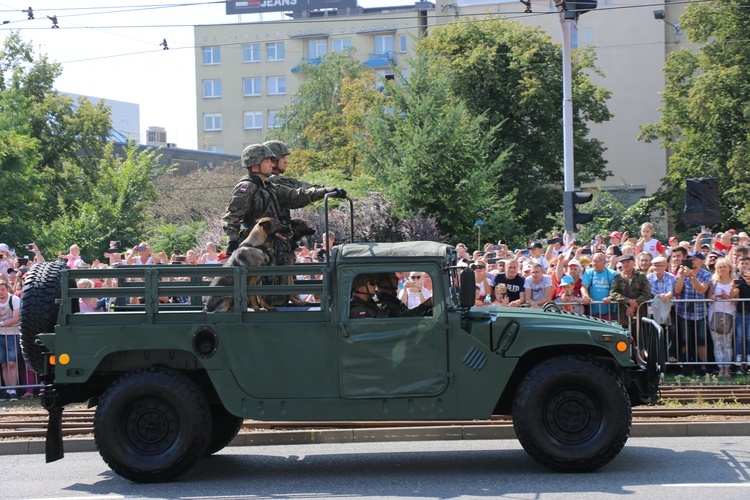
{"x": 272, "y": 119}
{"x": 251, "y": 53}
{"x": 275, "y": 51}
{"x": 383, "y": 44}
{"x": 211, "y": 89}
{"x": 211, "y": 55}
{"x": 402, "y": 44}
{"x": 215, "y": 149}
{"x": 276, "y": 85}
{"x": 156, "y": 136}
{"x": 341, "y": 44}
{"x": 212, "y": 121}
{"x": 253, "y": 120}
{"x": 317, "y": 47}
{"x": 252, "y": 86}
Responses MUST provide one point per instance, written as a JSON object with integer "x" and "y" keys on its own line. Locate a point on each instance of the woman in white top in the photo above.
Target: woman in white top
{"x": 210, "y": 257}
{"x": 721, "y": 313}
{"x": 414, "y": 292}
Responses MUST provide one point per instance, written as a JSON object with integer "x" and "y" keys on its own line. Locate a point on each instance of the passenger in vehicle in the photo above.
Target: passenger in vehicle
{"x": 391, "y": 305}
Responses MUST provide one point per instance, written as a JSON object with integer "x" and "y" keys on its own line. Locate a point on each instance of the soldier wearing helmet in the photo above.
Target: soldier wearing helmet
{"x": 281, "y": 151}
{"x": 254, "y": 197}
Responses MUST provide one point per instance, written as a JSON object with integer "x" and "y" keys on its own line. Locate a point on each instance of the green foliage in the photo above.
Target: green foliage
{"x": 115, "y": 208}
{"x": 511, "y": 74}
{"x": 432, "y": 156}
{"x": 706, "y": 109}
{"x": 317, "y": 100}
{"x": 49, "y": 149}
{"x": 171, "y": 237}
{"x": 613, "y": 213}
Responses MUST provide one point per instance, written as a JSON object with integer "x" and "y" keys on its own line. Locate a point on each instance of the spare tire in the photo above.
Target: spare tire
{"x": 39, "y": 307}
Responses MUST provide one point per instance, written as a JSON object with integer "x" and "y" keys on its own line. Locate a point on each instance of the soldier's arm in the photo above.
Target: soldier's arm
{"x": 298, "y": 198}
{"x": 236, "y": 209}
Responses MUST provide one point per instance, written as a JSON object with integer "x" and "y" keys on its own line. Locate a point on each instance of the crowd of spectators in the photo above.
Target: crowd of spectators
{"x": 698, "y": 290}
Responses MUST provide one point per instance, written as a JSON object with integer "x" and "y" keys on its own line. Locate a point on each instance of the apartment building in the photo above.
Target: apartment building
{"x": 245, "y": 72}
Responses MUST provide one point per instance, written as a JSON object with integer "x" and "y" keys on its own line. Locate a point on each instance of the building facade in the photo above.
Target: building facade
{"x": 245, "y": 72}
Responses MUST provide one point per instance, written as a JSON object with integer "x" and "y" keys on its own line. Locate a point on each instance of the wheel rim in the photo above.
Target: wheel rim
{"x": 572, "y": 416}
{"x": 151, "y": 426}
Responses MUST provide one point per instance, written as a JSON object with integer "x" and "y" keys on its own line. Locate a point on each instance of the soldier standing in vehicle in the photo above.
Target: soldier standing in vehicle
{"x": 362, "y": 304}
{"x": 254, "y": 197}
{"x": 281, "y": 151}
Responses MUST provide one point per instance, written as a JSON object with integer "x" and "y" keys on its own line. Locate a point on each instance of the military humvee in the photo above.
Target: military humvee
{"x": 173, "y": 383}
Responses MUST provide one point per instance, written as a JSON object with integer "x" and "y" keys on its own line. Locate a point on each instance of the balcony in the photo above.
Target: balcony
{"x": 380, "y": 59}
{"x": 313, "y": 61}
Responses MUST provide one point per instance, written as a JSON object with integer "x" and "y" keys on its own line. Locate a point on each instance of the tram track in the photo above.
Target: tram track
{"x": 694, "y": 403}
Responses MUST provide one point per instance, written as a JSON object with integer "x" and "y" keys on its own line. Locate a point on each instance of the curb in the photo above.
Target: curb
{"x": 446, "y": 433}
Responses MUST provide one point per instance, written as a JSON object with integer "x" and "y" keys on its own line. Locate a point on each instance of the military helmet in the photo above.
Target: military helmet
{"x": 362, "y": 280}
{"x": 278, "y": 148}
{"x": 256, "y": 153}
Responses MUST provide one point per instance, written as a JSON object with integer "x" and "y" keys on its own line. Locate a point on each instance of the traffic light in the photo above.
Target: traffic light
{"x": 573, "y": 9}
{"x": 573, "y": 218}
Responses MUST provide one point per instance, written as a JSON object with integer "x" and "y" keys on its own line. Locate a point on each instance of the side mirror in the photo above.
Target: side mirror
{"x": 468, "y": 288}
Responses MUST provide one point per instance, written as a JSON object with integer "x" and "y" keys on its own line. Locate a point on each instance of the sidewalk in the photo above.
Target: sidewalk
{"x": 265, "y": 438}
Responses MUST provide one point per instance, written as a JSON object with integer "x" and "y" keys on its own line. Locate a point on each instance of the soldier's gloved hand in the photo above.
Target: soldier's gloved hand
{"x": 337, "y": 192}
{"x": 233, "y": 245}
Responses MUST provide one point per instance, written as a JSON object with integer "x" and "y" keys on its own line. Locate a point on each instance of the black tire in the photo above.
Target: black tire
{"x": 152, "y": 425}
{"x": 41, "y": 289}
{"x": 572, "y": 414}
{"x": 224, "y": 428}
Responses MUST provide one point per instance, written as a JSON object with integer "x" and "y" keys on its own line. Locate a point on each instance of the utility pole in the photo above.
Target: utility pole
{"x": 569, "y": 13}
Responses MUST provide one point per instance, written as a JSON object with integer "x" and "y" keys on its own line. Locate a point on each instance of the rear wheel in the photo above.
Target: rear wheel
{"x": 41, "y": 289}
{"x": 572, "y": 414}
{"x": 152, "y": 425}
{"x": 224, "y": 428}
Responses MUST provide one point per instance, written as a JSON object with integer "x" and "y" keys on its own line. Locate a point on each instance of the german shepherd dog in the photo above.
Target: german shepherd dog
{"x": 300, "y": 229}
{"x": 255, "y": 250}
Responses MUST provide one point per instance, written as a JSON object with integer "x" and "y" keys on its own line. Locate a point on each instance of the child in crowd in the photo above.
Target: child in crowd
{"x": 567, "y": 297}
{"x": 73, "y": 257}
{"x": 648, "y": 244}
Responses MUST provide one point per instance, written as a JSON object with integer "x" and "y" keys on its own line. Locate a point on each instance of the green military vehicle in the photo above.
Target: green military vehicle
{"x": 173, "y": 383}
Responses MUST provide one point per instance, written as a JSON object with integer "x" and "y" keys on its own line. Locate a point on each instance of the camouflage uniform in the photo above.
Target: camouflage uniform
{"x": 359, "y": 308}
{"x": 253, "y": 199}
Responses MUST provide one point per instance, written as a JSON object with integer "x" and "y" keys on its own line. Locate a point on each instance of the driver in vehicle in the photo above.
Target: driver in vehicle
{"x": 362, "y": 304}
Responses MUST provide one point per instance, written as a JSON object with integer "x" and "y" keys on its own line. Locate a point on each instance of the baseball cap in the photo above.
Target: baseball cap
{"x": 4, "y": 247}
{"x": 574, "y": 262}
{"x": 659, "y": 260}
{"x": 527, "y": 267}
{"x": 615, "y": 234}
{"x": 697, "y": 255}
{"x": 625, "y": 257}
{"x": 567, "y": 280}
{"x": 536, "y": 244}
{"x": 584, "y": 258}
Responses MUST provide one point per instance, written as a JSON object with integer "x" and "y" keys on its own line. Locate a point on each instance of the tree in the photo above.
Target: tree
{"x": 115, "y": 209}
{"x": 706, "y": 101}
{"x": 432, "y": 156}
{"x": 511, "y": 74}
{"x": 49, "y": 147}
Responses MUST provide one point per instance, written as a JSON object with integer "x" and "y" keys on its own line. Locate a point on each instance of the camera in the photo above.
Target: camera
{"x": 22, "y": 261}
{"x": 320, "y": 254}
{"x": 114, "y": 245}
{"x": 27, "y": 247}
{"x": 687, "y": 262}
{"x": 586, "y": 251}
{"x": 491, "y": 255}
{"x": 616, "y": 251}
{"x": 554, "y": 240}
{"x": 496, "y": 247}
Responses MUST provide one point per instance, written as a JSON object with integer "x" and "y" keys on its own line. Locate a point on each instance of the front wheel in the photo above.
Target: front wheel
{"x": 572, "y": 414}
{"x": 152, "y": 425}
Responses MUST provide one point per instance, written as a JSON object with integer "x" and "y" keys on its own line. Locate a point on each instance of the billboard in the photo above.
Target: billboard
{"x": 260, "y": 6}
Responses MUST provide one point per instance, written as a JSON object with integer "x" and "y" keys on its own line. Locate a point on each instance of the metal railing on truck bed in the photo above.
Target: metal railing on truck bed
{"x": 151, "y": 290}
